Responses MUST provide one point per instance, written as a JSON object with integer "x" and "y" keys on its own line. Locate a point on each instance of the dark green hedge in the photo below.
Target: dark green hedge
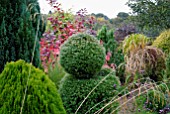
{"x": 41, "y": 98}
{"x": 82, "y": 55}
{"x": 73, "y": 91}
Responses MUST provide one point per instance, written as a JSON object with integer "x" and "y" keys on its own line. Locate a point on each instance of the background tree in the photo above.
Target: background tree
{"x": 18, "y": 26}
{"x": 122, "y": 15}
{"x": 101, "y": 15}
{"x": 151, "y": 13}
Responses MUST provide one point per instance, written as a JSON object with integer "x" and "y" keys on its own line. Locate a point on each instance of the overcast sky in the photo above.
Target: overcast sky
{"x": 108, "y": 7}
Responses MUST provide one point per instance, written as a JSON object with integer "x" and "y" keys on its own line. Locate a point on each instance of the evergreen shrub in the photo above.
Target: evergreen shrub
{"x": 18, "y": 27}
{"x": 41, "y": 96}
{"x": 82, "y": 55}
{"x": 73, "y": 91}
{"x": 111, "y": 45}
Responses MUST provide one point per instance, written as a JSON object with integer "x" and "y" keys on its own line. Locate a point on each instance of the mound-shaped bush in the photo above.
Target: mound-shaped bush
{"x": 41, "y": 96}
{"x": 163, "y": 41}
{"x": 73, "y": 91}
{"x": 134, "y": 42}
{"x": 149, "y": 62}
{"x": 82, "y": 55}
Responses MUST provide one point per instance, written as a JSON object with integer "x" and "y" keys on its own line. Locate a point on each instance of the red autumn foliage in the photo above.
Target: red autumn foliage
{"x": 61, "y": 30}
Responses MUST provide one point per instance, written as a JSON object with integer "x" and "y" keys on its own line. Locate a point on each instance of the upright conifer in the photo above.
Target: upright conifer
{"x": 18, "y": 26}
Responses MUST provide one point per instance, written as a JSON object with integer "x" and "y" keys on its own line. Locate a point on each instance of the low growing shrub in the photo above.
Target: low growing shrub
{"x": 73, "y": 91}
{"x": 41, "y": 97}
{"x": 154, "y": 101}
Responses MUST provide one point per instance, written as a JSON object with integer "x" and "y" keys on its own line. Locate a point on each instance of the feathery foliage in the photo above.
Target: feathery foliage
{"x": 148, "y": 62}
{"x": 134, "y": 42}
{"x": 41, "y": 98}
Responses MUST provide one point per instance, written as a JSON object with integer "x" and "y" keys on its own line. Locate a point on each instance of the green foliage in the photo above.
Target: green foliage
{"x": 110, "y": 44}
{"x": 133, "y": 43}
{"x": 102, "y": 34}
{"x": 151, "y": 13}
{"x": 123, "y": 15}
{"x": 56, "y": 73}
{"x": 163, "y": 41}
{"x": 73, "y": 92}
{"x": 156, "y": 100}
{"x": 82, "y": 55}
{"x": 148, "y": 62}
{"x": 151, "y": 32}
{"x": 100, "y": 15}
{"x": 153, "y": 100}
{"x": 104, "y": 72}
{"x": 120, "y": 72}
{"x": 41, "y": 96}
{"x": 117, "y": 22}
{"x": 167, "y": 71}
{"x": 140, "y": 109}
{"x": 18, "y": 26}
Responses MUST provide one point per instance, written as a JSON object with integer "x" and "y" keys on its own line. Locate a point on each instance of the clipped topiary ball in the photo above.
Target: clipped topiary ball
{"x": 82, "y": 55}
{"x": 74, "y": 91}
{"x": 41, "y": 96}
{"x": 163, "y": 41}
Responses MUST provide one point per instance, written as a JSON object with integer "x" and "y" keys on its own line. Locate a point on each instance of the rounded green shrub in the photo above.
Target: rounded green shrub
{"x": 73, "y": 91}
{"x": 82, "y": 55}
{"x": 163, "y": 41}
{"x": 41, "y": 96}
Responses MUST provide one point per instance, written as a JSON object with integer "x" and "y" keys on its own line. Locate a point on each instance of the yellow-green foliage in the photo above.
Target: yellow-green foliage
{"x": 163, "y": 41}
{"x": 41, "y": 97}
{"x": 149, "y": 62}
{"x": 134, "y": 42}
